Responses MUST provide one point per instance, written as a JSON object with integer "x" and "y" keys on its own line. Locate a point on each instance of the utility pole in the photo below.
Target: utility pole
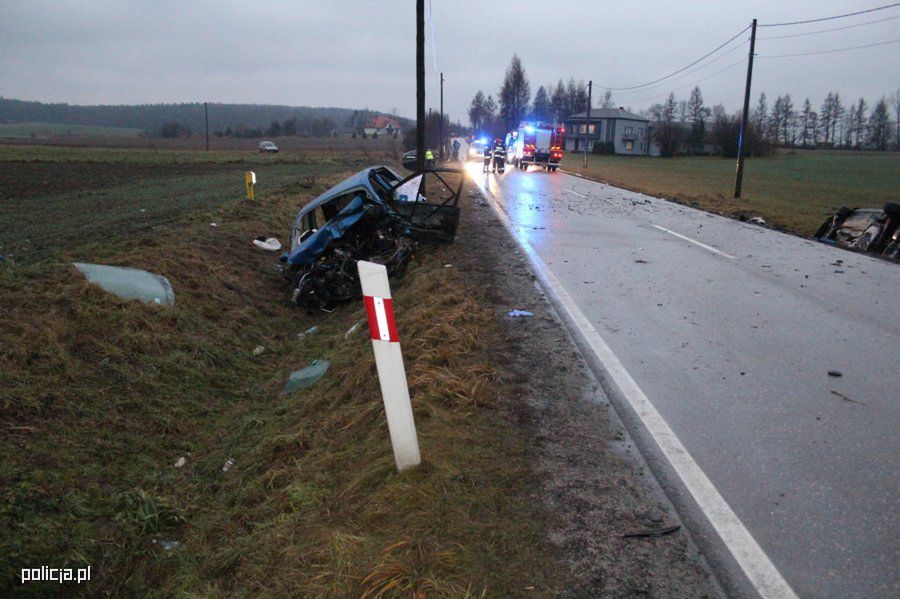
{"x": 587, "y": 126}
{"x": 739, "y": 175}
{"x": 206, "y": 118}
{"x": 420, "y": 85}
{"x": 441, "y": 151}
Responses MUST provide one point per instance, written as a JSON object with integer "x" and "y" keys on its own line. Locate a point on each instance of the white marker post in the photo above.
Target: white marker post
{"x": 389, "y": 361}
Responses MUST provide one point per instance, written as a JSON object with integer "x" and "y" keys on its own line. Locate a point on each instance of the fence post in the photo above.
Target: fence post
{"x": 389, "y": 361}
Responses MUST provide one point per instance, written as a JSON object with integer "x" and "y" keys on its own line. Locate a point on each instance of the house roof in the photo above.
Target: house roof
{"x": 382, "y": 122}
{"x": 606, "y": 113}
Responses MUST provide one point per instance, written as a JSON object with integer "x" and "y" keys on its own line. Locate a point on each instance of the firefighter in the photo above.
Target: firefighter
{"x": 487, "y": 158}
{"x": 499, "y": 156}
{"x": 429, "y": 159}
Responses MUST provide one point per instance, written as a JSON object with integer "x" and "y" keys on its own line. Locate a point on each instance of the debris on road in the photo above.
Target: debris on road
{"x": 368, "y": 216}
{"x": 641, "y": 261}
{"x": 757, "y": 220}
{"x": 270, "y": 244}
{"x": 129, "y": 283}
{"x": 845, "y": 398}
{"x": 659, "y": 532}
{"x": 306, "y": 377}
{"x": 835, "y": 373}
{"x": 519, "y": 313}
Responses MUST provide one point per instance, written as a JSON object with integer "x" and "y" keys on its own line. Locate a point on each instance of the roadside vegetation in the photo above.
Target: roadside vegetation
{"x": 100, "y": 399}
{"x": 793, "y": 190}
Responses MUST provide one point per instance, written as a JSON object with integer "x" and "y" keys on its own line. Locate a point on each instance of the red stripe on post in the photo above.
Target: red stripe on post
{"x": 387, "y": 330}
{"x": 370, "y": 313}
{"x": 392, "y": 326}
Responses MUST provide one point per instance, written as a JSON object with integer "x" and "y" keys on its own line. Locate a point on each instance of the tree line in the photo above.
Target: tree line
{"x": 690, "y": 127}
{"x": 551, "y": 103}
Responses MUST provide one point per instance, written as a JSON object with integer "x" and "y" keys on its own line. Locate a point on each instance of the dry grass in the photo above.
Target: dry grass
{"x": 793, "y": 190}
{"x": 99, "y": 398}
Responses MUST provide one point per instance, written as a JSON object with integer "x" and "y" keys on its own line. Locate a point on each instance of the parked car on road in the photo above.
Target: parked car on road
{"x": 268, "y": 147}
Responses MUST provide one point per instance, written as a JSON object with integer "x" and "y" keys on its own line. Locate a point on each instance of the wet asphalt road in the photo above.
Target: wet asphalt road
{"x": 733, "y": 343}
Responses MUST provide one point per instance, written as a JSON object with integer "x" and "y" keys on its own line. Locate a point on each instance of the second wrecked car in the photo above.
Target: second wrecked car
{"x": 865, "y": 230}
{"x": 374, "y": 215}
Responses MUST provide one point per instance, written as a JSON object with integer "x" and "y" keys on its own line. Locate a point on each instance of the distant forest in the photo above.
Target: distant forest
{"x": 155, "y": 119}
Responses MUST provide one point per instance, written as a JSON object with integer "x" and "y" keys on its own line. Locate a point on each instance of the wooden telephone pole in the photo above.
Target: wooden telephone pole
{"x": 742, "y": 139}
{"x": 587, "y": 125}
{"x": 420, "y": 84}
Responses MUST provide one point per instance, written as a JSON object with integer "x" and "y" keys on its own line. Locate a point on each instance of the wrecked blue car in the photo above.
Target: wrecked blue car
{"x": 374, "y": 215}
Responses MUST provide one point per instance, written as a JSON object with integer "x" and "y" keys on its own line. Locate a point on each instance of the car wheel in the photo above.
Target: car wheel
{"x": 892, "y": 209}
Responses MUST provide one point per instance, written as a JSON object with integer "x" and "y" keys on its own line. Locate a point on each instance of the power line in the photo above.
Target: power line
{"x": 780, "y": 37}
{"x": 683, "y": 75}
{"x": 830, "y": 51}
{"x": 696, "y": 82}
{"x": 431, "y": 24}
{"x": 849, "y": 14}
{"x": 682, "y": 68}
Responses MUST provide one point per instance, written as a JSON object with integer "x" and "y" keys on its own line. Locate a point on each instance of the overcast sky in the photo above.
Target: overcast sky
{"x": 361, "y": 53}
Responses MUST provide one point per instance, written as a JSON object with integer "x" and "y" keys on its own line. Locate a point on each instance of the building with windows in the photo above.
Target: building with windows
{"x": 623, "y": 132}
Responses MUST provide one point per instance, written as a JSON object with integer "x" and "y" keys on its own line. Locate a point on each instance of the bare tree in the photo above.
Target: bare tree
{"x": 666, "y": 133}
{"x": 807, "y": 126}
{"x": 895, "y": 102}
{"x": 698, "y": 114}
{"x": 608, "y": 101}
{"x": 879, "y": 126}
{"x": 515, "y": 94}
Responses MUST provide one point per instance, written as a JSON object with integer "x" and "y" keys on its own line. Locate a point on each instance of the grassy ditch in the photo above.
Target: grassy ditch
{"x": 100, "y": 398}
{"x": 794, "y": 190}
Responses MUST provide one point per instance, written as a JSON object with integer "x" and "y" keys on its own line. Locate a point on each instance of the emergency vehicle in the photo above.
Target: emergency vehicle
{"x": 536, "y": 143}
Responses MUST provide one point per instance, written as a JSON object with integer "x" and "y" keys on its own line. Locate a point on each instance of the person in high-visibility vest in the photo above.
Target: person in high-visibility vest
{"x": 429, "y": 159}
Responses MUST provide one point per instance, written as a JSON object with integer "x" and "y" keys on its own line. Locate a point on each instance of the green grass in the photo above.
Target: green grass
{"x": 60, "y": 129}
{"x": 792, "y": 190}
{"x": 99, "y": 398}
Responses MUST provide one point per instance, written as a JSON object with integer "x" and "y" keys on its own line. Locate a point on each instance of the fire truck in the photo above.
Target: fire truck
{"x": 536, "y": 143}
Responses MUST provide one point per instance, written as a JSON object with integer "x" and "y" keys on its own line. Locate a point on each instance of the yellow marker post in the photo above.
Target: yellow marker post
{"x": 250, "y": 180}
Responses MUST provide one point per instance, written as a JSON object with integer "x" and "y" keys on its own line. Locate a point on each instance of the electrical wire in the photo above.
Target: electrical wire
{"x": 649, "y": 83}
{"x": 696, "y": 82}
{"x": 781, "y": 37}
{"x": 431, "y": 23}
{"x": 829, "y": 51}
{"x": 688, "y": 73}
{"x": 849, "y": 14}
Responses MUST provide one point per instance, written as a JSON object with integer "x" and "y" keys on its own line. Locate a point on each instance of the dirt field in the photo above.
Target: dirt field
{"x": 793, "y": 190}
{"x": 529, "y": 480}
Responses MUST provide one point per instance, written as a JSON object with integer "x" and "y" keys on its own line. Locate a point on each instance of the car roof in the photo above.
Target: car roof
{"x": 356, "y": 181}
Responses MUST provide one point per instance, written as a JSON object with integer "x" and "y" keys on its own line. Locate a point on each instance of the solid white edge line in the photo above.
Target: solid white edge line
{"x": 574, "y": 192}
{"x": 757, "y": 566}
{"x": 695, "y": 242}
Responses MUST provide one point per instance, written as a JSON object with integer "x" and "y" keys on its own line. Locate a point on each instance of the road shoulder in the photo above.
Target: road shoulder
{"x": 594, "y": 481}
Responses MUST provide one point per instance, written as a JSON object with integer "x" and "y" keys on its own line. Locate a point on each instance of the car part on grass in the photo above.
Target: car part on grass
{"x": 519, "y": 313}
{"x": 181, "y": 462}
{"x": 864, "y": 229}
{"x": 374, "y": 215}
{"x": 659, "y": 532}
{"x": 310, "y": 331}
{"x": 306, "y": 377}
{"x": 270, "y": 245}
{"x": 129, "y": 283}
{"x": 228, "y": 464}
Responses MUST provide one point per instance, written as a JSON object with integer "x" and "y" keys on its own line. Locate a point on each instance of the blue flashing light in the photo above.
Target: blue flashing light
{"x": 484, "y": 140}
{"x": 529, "y": 128}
